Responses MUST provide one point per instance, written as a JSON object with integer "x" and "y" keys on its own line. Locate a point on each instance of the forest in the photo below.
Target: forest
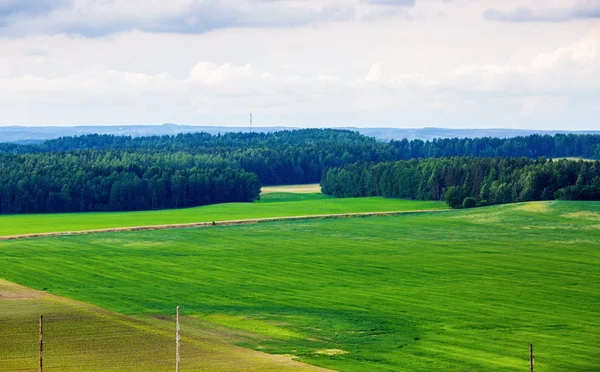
{"x": 286, "y": 157}
{"x": 118, "y": 181}
{"x": 308, "y": 143}
{"x": 465, "y": 182}
{"x": 105, "y": 172}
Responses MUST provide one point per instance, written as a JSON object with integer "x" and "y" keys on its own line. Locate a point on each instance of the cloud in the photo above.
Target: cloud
{"x": 584, "y": 9}
{"x": 375, "y": 72}
{"x": 333, "y": 70}
{"x": 14, "y": 7}
{"x": 102, "y": 17}
{"x": 15, "y": 10}
{"x": 391, "y": 2}
{"x": 543, "y": 107}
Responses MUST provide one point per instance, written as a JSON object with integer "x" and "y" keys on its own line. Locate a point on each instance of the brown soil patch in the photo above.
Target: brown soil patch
{"x": 12, "y": 291}
{"x": 297, "y": 189}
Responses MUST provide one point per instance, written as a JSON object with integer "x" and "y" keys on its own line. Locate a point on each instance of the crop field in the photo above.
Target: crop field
{"x": 297, "y": 189}
{"x": 275, "y": 204}
{"x": 80, "y": 337}
{"x": 464, "y": 290}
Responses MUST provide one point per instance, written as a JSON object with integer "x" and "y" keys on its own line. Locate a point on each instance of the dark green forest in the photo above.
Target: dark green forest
{"x": 468, "y": 182}
{"x": 105, "y": 172}
{"x": 286, "y": 157}
{"x": 118, "y": 181}
{"x": 339, "y": 142}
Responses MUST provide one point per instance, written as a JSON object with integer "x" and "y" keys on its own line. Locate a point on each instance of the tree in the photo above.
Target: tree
{"x": 469, "y": 202}
{"x": 454, "y": 196}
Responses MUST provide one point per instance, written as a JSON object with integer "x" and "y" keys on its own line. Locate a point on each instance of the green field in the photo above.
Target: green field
{"x": 464, "y": 290}
{"x": 272, "y": 205}
{"x": 79, "y": 337}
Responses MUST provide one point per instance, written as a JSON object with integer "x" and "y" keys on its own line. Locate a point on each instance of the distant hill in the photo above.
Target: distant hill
{"x": 35, "y": 134}
{"x": 427, "y": 134}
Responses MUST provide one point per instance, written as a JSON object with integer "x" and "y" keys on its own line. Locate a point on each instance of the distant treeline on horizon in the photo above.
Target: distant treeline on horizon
{"x": 106, "y": 172}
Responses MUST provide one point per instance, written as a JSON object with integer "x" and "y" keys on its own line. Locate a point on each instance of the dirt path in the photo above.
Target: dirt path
{"x": 219, "y": 223}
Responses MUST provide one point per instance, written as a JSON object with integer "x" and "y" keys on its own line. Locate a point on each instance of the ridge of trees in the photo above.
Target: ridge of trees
{"x": 468, "y": 182}
{"x": 533, "y": 146}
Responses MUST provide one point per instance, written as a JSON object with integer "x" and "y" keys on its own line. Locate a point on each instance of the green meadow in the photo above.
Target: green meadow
{"x": 274, "y": 204}
{"x": 464, "y": 290}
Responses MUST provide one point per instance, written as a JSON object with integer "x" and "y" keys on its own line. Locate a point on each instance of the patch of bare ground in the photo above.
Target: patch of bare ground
{"x": 298, "y": 189}
{"x": 331, "y": 352}
{"x": 114, "y": 342}
{"x": 12, "y": 291}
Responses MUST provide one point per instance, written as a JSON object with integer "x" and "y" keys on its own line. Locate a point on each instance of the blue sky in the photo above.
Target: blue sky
{"x": 531, "y": 64}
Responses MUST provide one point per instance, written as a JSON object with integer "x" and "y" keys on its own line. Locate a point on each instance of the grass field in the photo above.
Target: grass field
{"x": 79, "y": 337}
{"x": 272, "y": 205}
{"x": 460, "y": 291}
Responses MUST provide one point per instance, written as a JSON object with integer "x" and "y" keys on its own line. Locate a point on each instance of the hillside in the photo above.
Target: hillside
{"x": 462, "y": 290}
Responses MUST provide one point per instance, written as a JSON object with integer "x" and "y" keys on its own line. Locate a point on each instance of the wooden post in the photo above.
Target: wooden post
{"x": 530, "y": 357}
{"x": 41, "y": 341}
{"x": 177, "y": 338}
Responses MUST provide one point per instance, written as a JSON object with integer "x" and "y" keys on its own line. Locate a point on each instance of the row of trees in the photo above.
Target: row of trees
{"x": 115, "y": 181}
{"x": 301, "y": 156}
{"x": 533, "y": 146}
{"x": 468, "y": 182}
{"x": 287, "y": 157}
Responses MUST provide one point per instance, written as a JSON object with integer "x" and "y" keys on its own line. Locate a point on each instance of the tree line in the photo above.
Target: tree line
{"x": 468, "y": 182}
{"x": 286, "y": 157}
{"x": 106, "y": 172}
{"x": 117, "y": 181}
{"x": 301, "y": 156}
{"x": 532, "y": 146}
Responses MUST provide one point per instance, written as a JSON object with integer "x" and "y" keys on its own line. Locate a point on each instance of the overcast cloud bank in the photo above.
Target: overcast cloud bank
{"x": 460, "y": 63}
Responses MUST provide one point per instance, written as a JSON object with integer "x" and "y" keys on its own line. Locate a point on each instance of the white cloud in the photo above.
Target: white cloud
{"x": 102, "y": 17}
{"x": 544, "y": 107}
{"x": 357, "y": 71}
{"x": 210, "y": 73}
{"x": 582, "y": 9}
{"x": 374, "y": 73}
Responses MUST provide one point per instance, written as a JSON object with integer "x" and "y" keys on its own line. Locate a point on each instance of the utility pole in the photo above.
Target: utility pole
{"x": 41, "y": 340}
{"x": 177, "y": 338}
{"x": 530, "y": 357}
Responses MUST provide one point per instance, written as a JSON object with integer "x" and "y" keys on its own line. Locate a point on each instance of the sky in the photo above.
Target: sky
{"x": 529, "y": 64}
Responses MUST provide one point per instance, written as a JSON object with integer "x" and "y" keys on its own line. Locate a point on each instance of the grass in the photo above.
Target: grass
{"x": 79, "y": 337}
{"x": 464, "y": 290}
{"x": 271, "y": 205}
